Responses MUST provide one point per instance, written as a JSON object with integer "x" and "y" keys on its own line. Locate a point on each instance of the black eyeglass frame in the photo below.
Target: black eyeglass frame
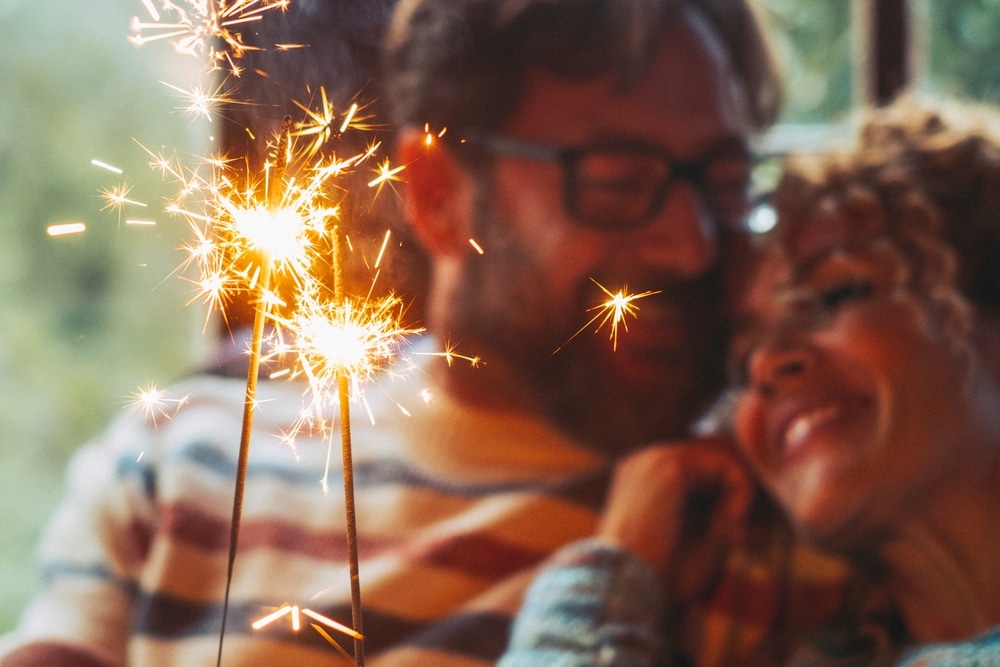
{"x": 691, "y": 171}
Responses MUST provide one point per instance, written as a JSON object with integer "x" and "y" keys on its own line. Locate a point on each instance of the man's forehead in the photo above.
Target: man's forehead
{"x": 683, "y": 100}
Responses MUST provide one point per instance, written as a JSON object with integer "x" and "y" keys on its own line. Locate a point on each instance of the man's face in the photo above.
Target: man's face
{"x": 538, "y": 282}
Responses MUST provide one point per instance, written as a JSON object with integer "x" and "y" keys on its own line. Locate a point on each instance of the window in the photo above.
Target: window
{"x": 839, "y": 55}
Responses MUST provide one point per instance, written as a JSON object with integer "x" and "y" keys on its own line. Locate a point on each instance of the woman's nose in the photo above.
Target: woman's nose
{"x": 779, "y": 360}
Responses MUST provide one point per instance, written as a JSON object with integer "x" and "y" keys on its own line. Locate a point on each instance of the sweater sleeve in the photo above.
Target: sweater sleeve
{"x": 978, "y": 651}
{"x": 593, "y": 605}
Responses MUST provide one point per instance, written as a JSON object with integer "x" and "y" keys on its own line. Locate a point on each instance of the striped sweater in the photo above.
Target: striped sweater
{"x": 595, "y": 605}
{"x": 456, "y": 508}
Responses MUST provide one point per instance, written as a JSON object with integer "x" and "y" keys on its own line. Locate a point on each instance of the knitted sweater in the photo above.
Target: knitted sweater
{"x": 598, "y": 606}
{"x": 455, "y": 509}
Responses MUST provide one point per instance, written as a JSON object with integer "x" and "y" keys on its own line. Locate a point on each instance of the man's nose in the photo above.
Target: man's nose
{"x": 683, "y": 236}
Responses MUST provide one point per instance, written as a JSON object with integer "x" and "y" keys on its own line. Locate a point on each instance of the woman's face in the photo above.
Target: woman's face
{"x": 852, "y": 400}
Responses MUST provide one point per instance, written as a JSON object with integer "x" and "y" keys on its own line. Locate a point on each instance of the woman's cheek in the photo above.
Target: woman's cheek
{"x": 748, "y": 425}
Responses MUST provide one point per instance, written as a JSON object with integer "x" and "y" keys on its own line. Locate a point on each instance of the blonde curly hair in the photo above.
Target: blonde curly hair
{"x": 925, "y": 176}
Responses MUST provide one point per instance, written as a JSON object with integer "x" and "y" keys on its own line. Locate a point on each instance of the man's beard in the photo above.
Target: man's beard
{"x": 580, "y": 383}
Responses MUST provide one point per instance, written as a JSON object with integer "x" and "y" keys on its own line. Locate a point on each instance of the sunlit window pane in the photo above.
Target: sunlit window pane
{"x": 813, "y": 43}
{"x": 962, "y": 42}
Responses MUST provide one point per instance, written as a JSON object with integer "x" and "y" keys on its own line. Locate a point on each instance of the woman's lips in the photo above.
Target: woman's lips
{"x": 797, "y": 423}
{"x": 798, "y": 430}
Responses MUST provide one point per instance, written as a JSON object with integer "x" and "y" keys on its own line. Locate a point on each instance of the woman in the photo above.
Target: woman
{"x": 867, "y": 405}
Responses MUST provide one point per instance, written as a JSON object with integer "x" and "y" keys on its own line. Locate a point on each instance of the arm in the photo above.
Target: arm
{"x": 603, "y": 601}
{"x": 593, "y": 605}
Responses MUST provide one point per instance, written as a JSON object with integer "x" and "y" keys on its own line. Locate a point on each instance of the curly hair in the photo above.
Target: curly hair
{"x": 928, "y": 178}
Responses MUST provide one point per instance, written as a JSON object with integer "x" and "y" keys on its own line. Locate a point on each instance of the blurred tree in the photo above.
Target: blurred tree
{"x": 964, "y": 48}
{"x": 87, "y": 319}
{"x": 813, "y": 42}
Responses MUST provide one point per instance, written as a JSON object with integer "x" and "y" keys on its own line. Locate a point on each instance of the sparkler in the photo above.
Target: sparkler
{"x": 255, "y": 234}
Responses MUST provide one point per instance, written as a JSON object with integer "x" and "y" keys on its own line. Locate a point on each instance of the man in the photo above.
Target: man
{"x": 587, "y": 144}
{"x": 623, "y": 163}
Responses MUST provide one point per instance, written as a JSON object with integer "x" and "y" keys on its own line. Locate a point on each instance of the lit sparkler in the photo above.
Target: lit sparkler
{"x": 263, "y": 236}
{"x": 254, "y": 233}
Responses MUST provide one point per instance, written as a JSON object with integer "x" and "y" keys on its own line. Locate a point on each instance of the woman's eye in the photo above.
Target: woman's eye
{"x": 848, "y": 291}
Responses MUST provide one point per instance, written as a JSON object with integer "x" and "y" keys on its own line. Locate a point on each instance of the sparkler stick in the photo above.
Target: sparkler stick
{"x": 343, "y": 391}
{"x": 199, "y": 27}
{"x": 250, "y": 397}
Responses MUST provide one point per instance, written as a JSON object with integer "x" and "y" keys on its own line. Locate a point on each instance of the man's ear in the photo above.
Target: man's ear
{"x": 437, "y": 193}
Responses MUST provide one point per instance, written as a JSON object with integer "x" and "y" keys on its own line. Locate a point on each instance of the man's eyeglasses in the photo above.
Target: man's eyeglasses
{"x": 622, "y": 185}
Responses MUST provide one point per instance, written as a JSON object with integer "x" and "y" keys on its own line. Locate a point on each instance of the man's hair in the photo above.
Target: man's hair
{"x": 460, "y": 63}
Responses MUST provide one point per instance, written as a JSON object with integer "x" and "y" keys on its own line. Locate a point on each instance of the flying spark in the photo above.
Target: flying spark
{"x": 66, "y": 229}
{"x": 203, "y": 27}
{"x": 613, "y": 311}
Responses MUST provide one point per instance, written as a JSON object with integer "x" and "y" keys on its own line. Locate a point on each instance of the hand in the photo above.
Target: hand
{"x": 680, "y": 507}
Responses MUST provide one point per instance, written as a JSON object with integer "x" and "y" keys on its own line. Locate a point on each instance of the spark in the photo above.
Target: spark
{"x": 386, "y": 174}
{"x": 153, "y": 402}
{"x": 321, "y": 123}
{"x": 381, "y": 251}
{"x": 478, "y": 248}
{"x": 117, "y": 197}
{"x": 200, "y": 103}
{"x": 141, "y": 223}
{"x": 613, "y": 310}
{"x": 450, "y": 356}
{"x": 430, "y": 138}
{"x": 296, "y": 613}
{"x": 203, "y": 27}
{"x": 105, "y": 165}
{"x": 66, "y": 229}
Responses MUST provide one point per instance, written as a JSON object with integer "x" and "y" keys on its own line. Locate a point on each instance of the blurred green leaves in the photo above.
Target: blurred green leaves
{"x": 86, "y": 319}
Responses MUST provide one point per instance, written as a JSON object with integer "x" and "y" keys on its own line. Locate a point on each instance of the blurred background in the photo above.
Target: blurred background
{"x": 87, "y": 320}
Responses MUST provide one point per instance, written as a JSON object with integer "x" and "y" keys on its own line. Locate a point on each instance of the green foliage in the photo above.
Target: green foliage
{"x": 965, "y": 48}
{"x": 812, "y": 40}
{"x": 86, "y": 319}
